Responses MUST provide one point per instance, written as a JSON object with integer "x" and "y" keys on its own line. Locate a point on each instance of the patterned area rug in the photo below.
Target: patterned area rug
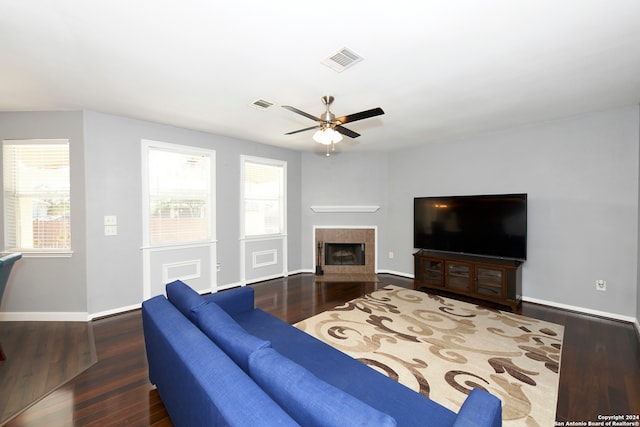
{"x": 443, "y": 348}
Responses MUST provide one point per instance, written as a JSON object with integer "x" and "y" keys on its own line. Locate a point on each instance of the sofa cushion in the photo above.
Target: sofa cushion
{"x": 232, "y": 338}
{"x": 309, "y": 400}
{"x": 331, "y": 365}
{"x": 185, "y": 299}
{"x": 233, "y": 301}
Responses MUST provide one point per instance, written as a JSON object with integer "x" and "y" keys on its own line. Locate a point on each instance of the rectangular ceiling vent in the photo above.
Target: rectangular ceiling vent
{"x": 261, "y": 104}
{"x": 342, "y": 59}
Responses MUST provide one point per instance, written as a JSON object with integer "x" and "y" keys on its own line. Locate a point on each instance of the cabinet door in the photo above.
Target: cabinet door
{"x": 490, "y": 281}
{"x": 459, "y": 276}
{"x": 431, "y": 271}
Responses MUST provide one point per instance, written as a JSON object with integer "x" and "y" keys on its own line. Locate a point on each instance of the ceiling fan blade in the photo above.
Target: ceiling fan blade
{"x": 360, "y": 116}
{"x": 346, "y": 132}
{"x": 302, "y": 130}
{"x": 302, "y": 113}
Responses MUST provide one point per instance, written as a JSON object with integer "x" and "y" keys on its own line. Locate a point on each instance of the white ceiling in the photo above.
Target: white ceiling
{"x": 439, "y": 68}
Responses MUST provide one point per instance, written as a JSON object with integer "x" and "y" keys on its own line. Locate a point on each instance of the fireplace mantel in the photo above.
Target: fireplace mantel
{"x": 345, "y": 208}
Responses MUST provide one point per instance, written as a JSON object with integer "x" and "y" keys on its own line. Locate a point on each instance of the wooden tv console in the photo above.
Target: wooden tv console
{"x": 485, "y": 278}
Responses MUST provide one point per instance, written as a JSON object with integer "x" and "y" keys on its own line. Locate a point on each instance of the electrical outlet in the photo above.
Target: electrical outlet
{"x": 601, "y": 285}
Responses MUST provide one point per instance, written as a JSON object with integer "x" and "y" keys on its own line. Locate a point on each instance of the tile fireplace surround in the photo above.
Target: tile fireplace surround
{"x": 347, "y": 235}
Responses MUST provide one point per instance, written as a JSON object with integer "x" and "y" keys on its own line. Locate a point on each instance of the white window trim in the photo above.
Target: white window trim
{"x": 268, "y": 162}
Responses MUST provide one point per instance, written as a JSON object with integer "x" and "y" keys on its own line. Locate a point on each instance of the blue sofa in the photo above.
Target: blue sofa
{"x": 216, "y": 360}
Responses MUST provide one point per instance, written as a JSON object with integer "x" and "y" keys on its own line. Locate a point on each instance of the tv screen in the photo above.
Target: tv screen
{"x": 488, "y": 225}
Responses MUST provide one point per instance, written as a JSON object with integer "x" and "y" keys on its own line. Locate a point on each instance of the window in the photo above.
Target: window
{"x": 179, "y": 194}
{"x": 263, "y": 196}
{"x": 37, "y": 201}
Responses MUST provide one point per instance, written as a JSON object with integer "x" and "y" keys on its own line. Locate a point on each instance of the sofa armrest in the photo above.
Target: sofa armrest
{"x": 480, "y": 409}
{"x": 233, "y": 301}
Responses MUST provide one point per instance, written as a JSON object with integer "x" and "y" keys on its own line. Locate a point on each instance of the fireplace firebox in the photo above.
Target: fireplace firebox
{"x": 344, "y": 254}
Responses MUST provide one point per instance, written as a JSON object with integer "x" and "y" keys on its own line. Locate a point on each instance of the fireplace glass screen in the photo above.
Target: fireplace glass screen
{"x": 344, "y": 254}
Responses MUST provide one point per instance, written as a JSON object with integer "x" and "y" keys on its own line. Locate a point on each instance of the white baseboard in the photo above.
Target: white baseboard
{"x": 114, "y": 311}
{"x": 228, "y": 286}
{"x": 291, "y": 273}
{"x": 615, "y": 316}
{"x": 84, "y": 316}
{"x": 42, "y": 316}
{"x": 608, "y": 315}
{"x": 262, "y": 279}
{"x": 395, "y": 273}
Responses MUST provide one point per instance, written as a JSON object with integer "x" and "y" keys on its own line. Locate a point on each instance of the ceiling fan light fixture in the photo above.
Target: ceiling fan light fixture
{"x": 327, "y": 136}
{"x": 337, "y": 136}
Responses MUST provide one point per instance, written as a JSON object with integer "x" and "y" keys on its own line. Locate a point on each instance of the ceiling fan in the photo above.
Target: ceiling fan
{"x": 330, "y": 129}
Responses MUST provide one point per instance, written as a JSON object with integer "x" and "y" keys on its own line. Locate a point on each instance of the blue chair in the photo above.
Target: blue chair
{"x": 6, "y": 264}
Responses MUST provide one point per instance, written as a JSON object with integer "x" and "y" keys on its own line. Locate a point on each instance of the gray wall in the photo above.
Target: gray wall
{"x": 51, "y": 284}
{"x": 105, "y": 273}
{"x": 113, "y": 164}
{"x": 581, "y": 176}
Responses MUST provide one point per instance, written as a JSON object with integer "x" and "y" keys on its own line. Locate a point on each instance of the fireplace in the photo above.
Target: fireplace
{"x": 345, "y": 251}
{"x": 344, "y": 254}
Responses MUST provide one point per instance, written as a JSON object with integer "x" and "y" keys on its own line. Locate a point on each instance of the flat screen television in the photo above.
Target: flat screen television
{"x": 486, "y": 225}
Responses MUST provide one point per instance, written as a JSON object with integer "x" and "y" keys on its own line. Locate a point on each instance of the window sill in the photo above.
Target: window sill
{"x": 264, "y": 237}
{"x": 42, "y": 254}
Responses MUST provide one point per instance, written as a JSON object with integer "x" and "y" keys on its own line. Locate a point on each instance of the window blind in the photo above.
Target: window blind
{"x": 179, "y": 197}
{"x": 264, "y": 198}
{"x": 37, "y": 195}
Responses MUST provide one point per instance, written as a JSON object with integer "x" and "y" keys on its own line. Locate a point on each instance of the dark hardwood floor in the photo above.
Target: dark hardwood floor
{"x": 599, "y": 375}
{"x": 37, "y": 363}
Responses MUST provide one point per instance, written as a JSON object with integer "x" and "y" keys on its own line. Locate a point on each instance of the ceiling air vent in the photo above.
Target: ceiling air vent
{"x": 342, "y": 59}
{"x": 261, "y": 104}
